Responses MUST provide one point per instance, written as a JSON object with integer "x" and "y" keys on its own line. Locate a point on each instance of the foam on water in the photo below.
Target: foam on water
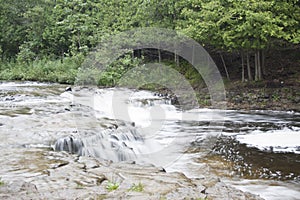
{"x": 275, "y": 191}
{"x": 140, "y": 107}
{"x": 7, "y": 85}
{"x": 285, "y": 140}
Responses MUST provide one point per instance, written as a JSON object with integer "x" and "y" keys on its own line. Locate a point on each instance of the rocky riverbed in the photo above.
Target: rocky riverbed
{"x": 60, "y": 175}
{"x": 34, "y": 116}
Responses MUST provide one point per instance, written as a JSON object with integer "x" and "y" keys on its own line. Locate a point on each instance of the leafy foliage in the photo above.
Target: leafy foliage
{"x": 95, "y": 75}
{"x": 41, "y": 70}
{"x": 35, "y": 33}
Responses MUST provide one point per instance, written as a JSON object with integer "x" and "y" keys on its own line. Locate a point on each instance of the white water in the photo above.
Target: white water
{"x": 285, "y": 140}
{"x": 269, "y": 190}
{"x": 167, "y": 129}
{"x": 166, "y": 138}
{"x": 14, "y": 85}
{"x": 153, "y": 117}
{"x": 156, "y": 118}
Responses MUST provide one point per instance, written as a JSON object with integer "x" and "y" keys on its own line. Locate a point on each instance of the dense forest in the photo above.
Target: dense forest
{"x": 47, "y": 40}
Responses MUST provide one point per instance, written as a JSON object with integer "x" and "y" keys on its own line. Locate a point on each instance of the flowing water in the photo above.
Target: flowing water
{"x": 255, "y": 151}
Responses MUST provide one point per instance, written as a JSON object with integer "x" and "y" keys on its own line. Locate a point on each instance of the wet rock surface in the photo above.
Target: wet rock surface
{"x": 66, "y": 176}
{"x": 36, "y": 118}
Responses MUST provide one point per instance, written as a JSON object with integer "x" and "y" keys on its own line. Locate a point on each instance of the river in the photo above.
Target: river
{"x": 254, "y": 151}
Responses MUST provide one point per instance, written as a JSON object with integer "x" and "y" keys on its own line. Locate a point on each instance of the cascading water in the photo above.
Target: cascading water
{"x": 116, "y": 144}
{"x": 122, "y": 140}
{"x": 263, "y": 146}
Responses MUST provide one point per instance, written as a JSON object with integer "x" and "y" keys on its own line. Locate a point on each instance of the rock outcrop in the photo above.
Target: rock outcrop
{"x": 66, "y": 176}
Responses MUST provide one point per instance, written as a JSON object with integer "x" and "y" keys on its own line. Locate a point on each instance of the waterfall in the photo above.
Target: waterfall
{"x": 118, "y": 144}
{"x": 126, "y": 138}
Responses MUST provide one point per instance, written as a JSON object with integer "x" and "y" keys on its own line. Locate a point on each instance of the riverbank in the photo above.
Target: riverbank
{"x": 247, "y": 96}
{"x": 279, "y": 97}
{"x": 253, "y": 96}
{"x": 279, "y": 91}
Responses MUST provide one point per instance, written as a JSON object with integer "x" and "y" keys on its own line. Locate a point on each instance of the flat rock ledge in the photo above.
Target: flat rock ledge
{"x": 60, "y": 175}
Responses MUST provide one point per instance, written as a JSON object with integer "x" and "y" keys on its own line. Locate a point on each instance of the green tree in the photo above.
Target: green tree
{"x": 71, "y": 27}
{"x": 13, "y": 25}
{"x": 244, "y": 26}
{"x": 34, "y": 45}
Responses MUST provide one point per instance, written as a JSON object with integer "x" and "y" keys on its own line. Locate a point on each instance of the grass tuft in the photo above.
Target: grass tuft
{"x": 111, "y": 186}
{"x": 137, "y": 187}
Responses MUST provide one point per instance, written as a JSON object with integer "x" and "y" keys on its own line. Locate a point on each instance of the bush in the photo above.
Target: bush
{"x": 93, "y": 75}
{"x": 44, "y": 70}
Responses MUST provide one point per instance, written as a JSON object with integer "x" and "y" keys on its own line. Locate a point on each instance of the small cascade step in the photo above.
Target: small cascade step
{"x": 117, "y": 144}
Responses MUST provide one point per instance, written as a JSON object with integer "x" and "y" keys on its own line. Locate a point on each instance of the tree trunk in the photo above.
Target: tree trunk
{"x": 62, "y": 56}
{"x": 256, "y": 66}
{"x": 258, "y": 70}
{"x": 243, "y": 67}
{"x": 225, "y": 67}
{"x": 263, "y": 58}
{"x": 159, "y": 56}
{"x": 141, "y": 53}
{"x": 249, "y": 67}
{"x": 193, "y": 55}
{"x": 259, "y": 65}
